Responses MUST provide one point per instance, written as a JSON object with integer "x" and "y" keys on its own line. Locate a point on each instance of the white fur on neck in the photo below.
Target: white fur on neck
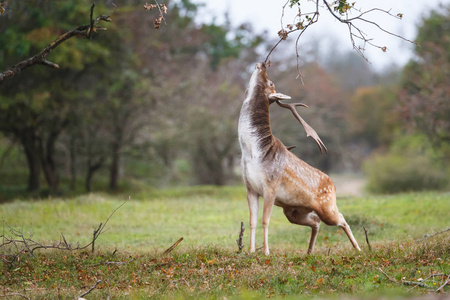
{"x": 247, "y": 132}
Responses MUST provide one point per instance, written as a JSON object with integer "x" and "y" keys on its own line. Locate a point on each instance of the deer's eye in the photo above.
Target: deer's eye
{"x": 271, "y": 83}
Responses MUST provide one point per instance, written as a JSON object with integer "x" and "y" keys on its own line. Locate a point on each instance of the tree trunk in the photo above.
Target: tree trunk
{"x": 88, "y": 183}
{"x": 72, "y": 162}
{"x": 91, "y": 169}
{"x": 114, "y": 170}
{"x": 47, "y": 154}
{"x": 28, "y": 140}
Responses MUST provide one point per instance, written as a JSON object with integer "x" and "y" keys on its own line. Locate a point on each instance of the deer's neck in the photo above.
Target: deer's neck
{"x": 255, "y": 134}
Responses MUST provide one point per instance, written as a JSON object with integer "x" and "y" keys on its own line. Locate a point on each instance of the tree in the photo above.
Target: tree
{"x": 425, "y": 93}
{"x": 37, "y": 114}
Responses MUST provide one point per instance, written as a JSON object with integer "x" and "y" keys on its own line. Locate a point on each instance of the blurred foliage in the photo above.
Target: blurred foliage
{"x": 136, "y": 106}
{"x": 121, "y": 97}
{"x": 393, "y": 173}
{"x": 425, "y": 94}
{"x": 411, "y": 164}
{"x": 372, "y": 117}
{"x": 419, "y": 157}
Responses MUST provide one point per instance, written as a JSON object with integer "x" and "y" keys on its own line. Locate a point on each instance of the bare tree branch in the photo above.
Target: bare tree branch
{"x": 304, "y": 20}
{"x": 40, "y": 58}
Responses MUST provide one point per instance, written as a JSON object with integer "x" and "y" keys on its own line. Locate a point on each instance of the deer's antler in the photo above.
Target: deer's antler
{"x": 309, "y": 130}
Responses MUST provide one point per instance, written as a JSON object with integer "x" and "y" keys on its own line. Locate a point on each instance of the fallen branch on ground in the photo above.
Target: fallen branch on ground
{"x": 15, "y": 294}
{"x": 426, "y": 236}
{"x": 420, "y": 283}
{"x": 445, "y": 283}
{"x": 24, "y": 244}
{"x": 90, "y": 290}
{"x": 173, "y": 246}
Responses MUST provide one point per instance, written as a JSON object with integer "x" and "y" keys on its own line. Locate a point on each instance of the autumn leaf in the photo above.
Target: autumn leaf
{"x": 157, "y": 22}
{"x": 283, "y": 34}
{"x": 164, "y": 8}
{"x": 149, "y": 6}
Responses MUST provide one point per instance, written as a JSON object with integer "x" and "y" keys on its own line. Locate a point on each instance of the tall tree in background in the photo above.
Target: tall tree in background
{"x": 426, "y": 91}
{"x": 35, "y": 105}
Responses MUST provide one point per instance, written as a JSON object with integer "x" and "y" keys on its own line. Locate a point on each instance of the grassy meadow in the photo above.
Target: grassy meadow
{"x": 130, "y": 263}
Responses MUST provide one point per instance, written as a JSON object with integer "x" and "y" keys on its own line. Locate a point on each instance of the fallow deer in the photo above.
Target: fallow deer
{"x": 271, "y": 171}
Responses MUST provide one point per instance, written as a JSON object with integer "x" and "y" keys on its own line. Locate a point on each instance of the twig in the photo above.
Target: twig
{"x": 445, "y": 283}
{"x": 173, "y": 246}
{"x": 416, "y": 283}
{"x": 24, "y": 244}
{"x": 91, "y": 289}
{"x": 367, "y": 239}
{"x": 361, "y": 35}
{"x": 181, "y": 279}
{"x": 117, "y": 263}
{"x": 96, "y": 232}
{"x": 15, "y": 294}
{"x": 303, "y": 20}
{"x": 239, "y": 240}
{"x": 160, "y": 12}
{"x": 91, "y": 27}
{"x": 387, "y": 276}
{"x": 426, "y": 236}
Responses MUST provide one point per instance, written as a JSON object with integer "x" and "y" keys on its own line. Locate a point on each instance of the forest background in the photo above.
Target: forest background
{"x": 136, "y": 107}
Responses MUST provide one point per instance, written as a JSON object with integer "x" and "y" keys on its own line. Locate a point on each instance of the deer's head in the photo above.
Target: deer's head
{"x": 263, "y": 85}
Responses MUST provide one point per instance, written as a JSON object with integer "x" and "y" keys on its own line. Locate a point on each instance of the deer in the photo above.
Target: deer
{"x": 271, "y": 171}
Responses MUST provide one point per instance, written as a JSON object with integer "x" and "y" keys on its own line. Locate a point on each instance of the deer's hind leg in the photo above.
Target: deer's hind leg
{"x": 302, "y": 216}
{"x": 332, "y": 217}
{"x": 343, "y": 224}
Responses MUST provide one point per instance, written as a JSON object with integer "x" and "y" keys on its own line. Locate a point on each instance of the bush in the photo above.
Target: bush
{"x": 394, "y": 173}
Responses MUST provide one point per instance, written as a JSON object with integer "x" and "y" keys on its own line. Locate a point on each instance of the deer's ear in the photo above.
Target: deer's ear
{"x": 278, "y": 96}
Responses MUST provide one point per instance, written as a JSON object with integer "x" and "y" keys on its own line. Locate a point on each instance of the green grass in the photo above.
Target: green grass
{"x": 205, "y": 264}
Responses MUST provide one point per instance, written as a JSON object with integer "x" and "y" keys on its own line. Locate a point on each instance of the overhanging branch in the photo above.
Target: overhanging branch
{"x": 339, "y": 10}
{"x": 40, "y": 58}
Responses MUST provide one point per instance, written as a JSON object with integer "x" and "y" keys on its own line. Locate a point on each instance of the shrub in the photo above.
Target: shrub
{"x": 394, "y": 173}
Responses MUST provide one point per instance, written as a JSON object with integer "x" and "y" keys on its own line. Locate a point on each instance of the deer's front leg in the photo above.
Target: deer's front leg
{"x": 253, "y": 205}
{"x": 269, "y": 200}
